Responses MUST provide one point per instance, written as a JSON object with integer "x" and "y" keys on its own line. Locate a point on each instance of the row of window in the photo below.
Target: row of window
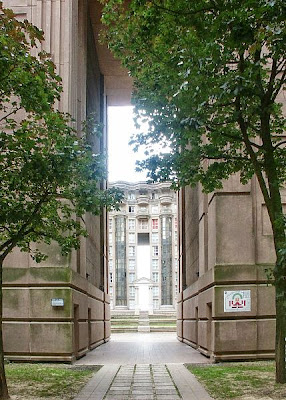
{"x": 132, "y": 237}
{"x": 132, "y": 195}
{"x": 131, "y": 251}
{"x": 156, "y": 304}
{"x": 143, "y": 224}
{"x": 155, "y": 251}
{"x": 154, "y": 209}
{"x": 155, "y": 290}
{"x": 132, "y": 263}
{"x": 131, "y": 276}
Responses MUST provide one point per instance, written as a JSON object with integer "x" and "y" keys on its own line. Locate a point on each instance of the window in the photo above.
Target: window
{"x": 176, "y": 277}
{"x": 155, "y": 291}
{"x": 131, "y": 237}
{"x": 131, "y": 251}
{"x": 131, "y": 264}
{"x": 110, "y": 264}
{"x": 110, "y": 277}
{"x": 131, "y": 196}
{"x": 155, "y": 237}
{"x": 155, "y": 276}
{"x": 176, "y": 236}
{"x": 110, "y": 250}
{"x": 131, "y": 209}
{"x": 155, "y": 223}
{"x": 132, "y": 291}
{"x": 131, "y": 277}
{"x": 154, "y": 196}
{"x": 110, "y": 224}
{"x": 131, "y": 224}
{"x": 110, "y": 238}
{"x": 176, "y": 223}
{"x": 155, "y": 303}
{"x": 155, "y": 263}
{"x": 155, "y": 250}
{"x": 155, "y": 209}
{"x": 143, "y": 223}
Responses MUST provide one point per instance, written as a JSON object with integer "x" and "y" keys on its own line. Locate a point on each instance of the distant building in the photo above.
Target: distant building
{"x": 143, "y": 248}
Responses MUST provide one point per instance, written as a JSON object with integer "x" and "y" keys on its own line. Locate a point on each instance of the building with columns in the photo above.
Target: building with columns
{"x": 143, "y": 249}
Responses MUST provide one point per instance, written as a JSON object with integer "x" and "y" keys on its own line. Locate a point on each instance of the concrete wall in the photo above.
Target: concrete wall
{"x": 33, "y": 328}
{"x": 36, "y": 330}
{"x": 228, "y": 249}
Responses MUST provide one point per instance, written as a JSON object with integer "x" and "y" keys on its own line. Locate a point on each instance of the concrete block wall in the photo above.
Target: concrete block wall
{"x": 33, "y": 328}
{"x": 235, "y": 249}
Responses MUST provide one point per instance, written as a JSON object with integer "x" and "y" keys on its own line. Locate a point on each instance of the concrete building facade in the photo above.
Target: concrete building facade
{"x": 143, "y": 249}
{"x": 226, "y": 308}
{"x": 59, "y": 309}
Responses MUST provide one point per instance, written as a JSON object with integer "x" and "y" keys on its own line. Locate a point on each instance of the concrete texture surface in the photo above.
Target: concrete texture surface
{"x": 143, "y": 348}
{"x": 145, "y": 366}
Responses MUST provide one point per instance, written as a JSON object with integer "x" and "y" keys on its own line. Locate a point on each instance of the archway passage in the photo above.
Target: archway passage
{"x": 68, "y": 297}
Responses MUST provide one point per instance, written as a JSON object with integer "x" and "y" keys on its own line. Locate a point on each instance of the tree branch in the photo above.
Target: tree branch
{"x": 10, "y": 113}
{"x": 279, "y": 144}
{"x": 178, "y": 12}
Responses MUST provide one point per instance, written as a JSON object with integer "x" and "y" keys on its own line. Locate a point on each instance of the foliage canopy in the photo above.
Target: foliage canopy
{"x": 50, "y": 176}
{"x": 209, "y": 77}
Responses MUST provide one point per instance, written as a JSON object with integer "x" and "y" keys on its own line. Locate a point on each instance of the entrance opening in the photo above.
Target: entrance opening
{"x": 145, "y": 300}
{"x": 89, "y": 327}
{"x": 143, "y": 262}
{"x": 76, "y": 329}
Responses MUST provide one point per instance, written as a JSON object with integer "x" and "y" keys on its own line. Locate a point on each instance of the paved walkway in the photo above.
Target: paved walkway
{"x": 145, "y": 367}
{"x": 143, "y": 348}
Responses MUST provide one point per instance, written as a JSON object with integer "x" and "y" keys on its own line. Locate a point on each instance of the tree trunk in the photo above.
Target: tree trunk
{"x": 3, "y": 384}
{"x": 280, "y": 283}
{"x": 280, "y": 337}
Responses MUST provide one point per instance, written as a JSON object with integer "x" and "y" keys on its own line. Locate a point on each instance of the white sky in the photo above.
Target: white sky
{"x": 121, "y": 157}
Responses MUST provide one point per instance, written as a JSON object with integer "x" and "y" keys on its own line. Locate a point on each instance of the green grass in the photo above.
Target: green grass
{"x": 124, "y": 323}
{"x": 248, "y": 380}
{"x": 46, "y": 381}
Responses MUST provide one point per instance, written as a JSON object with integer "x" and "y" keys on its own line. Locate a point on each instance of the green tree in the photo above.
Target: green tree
{"x": 49, "y": 176}
{"x": 208, "y": 76}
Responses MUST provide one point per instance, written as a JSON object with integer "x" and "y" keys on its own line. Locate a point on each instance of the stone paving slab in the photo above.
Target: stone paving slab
{"x": 99, "y": 384}
{"x": 115, "y": 382}
{"x": 186, "y": 382}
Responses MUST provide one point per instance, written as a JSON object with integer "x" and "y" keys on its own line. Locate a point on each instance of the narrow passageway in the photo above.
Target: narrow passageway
{"x": 143, "y": 348}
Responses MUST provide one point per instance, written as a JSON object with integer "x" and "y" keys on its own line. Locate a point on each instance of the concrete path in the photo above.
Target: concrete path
{"x": 145, "y": 367}
{"x": 143, "y": 348}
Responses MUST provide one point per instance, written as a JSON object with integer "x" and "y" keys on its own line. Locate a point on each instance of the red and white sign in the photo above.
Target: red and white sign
{"x": 238, "y": 300}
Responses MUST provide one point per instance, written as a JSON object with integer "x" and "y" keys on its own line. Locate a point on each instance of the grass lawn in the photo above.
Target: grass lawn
{"x": 245, "y": 381}
{"x": 46, "y": 381}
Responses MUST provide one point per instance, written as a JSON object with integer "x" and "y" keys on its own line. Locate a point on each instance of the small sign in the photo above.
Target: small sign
{"x": 57, "y": 302}
{"x": 235, "y": 301}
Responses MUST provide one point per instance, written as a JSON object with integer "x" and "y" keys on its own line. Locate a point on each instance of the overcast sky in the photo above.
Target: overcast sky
{"x": 121, "y": 165}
